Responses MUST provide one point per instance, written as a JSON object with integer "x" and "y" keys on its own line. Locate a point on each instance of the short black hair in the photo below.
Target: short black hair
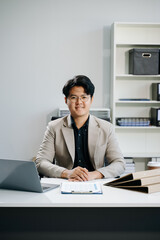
{"x": 81, "y": 81}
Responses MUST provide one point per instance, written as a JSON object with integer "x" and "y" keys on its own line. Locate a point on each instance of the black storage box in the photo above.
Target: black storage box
{"x": 144, "y": 61}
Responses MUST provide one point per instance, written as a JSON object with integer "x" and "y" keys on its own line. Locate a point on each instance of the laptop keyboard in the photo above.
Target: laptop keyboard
{"x": 49, "y": 186}
{"x": 45, "y": 188}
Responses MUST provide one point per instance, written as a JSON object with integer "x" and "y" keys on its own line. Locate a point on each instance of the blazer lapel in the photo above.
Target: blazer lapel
{"x": 68, "y": 134}
{"x": 93, "y": 135}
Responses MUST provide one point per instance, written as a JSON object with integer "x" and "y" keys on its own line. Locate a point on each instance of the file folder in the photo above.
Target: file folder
{"x": 155, "y": 116}
{"x": 156, "y": 91}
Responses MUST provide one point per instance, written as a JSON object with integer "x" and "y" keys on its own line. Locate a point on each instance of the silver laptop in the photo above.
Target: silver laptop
{"x": 21, "y": 175}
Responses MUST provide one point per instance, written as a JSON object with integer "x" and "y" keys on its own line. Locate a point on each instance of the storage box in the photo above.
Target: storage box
{"x": 144, "y": 61}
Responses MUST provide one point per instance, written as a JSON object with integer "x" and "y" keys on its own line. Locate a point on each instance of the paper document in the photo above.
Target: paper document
{"x": 81, "y": 187}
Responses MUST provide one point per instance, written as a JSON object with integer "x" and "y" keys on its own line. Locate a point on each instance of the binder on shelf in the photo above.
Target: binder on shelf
{"x": 133, "y": 122}
{"x": 155, "y": 116}
{"x": 144, "y": 181}
{"x": 156, "y": 91}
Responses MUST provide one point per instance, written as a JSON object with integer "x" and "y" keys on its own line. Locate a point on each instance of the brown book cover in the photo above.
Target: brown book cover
{"x": 146, "y": 188}
{"x": 145, "y": 181}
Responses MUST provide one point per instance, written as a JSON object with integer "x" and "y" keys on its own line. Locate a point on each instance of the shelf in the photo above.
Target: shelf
{"x": 136, "y": 34}
{"x": 134, "y": 141}
{"x": 136, "y": 44}
{"x": 127, "y": 76}
{"x": 139, "y": 102}
{"x": 134, "y": 127}
{"x": 141, "y": 155}
{"x": 136, "y": 24}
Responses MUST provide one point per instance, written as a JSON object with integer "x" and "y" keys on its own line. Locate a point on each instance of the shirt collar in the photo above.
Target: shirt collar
{"x": 84, "y": 125}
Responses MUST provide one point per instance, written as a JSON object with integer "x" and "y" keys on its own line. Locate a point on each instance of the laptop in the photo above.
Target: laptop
{"x": 22, "y": 175}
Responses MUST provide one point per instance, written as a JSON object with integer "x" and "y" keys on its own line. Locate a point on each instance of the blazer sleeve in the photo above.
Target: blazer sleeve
{"x": 46, "y": 154}
{"x": 114, "y": 156}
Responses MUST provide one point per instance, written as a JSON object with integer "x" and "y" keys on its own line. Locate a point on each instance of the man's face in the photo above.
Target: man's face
{"x": 78, "y": 102}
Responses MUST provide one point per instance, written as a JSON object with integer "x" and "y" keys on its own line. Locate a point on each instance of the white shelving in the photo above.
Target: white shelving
{"x": 134, "y": 141}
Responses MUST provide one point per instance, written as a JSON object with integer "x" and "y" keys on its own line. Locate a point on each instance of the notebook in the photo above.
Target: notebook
{"x": 81, "y": 187}
{"x": 21, "y": 175}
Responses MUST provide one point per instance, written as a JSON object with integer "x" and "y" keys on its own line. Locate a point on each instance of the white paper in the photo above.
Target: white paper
{"x": 81, "y": 187}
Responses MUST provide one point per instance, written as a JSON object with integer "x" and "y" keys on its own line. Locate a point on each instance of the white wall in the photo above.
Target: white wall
{"x": 43, "y": 43}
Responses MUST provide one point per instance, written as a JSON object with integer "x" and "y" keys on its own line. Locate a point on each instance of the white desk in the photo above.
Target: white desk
{"x": 115, "y": 214}
{"x": 111, "y": 197}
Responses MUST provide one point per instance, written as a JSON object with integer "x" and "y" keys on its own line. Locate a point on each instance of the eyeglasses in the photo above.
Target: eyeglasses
{"x": 74, "y": 99}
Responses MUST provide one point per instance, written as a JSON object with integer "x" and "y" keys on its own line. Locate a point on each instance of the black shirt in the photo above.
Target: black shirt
{"x": 82, "y": 158}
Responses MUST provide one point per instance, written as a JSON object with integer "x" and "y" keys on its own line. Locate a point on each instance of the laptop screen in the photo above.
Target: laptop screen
{"x": 19, "y": 175}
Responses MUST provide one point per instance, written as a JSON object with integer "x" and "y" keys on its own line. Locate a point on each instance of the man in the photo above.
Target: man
{"x": 75, "y": 147}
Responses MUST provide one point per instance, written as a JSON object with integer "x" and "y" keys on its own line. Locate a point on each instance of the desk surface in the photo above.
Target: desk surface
{"x": 111, "y": 197}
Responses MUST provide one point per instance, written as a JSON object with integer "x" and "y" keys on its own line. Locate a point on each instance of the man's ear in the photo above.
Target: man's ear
{"x": 65, "y": 100}
{"x": 91, "y": 99}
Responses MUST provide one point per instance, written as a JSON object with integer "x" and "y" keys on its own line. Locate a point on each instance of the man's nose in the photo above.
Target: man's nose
{"x": 79, "y": 99}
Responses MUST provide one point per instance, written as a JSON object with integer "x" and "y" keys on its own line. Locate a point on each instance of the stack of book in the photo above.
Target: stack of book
{"x": 144, "y": 181}
{"x": 133, "y": 122}
{"x": 130, "y": 166}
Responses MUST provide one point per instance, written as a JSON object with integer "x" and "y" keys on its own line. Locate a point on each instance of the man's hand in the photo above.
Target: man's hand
{"x": 80, "y": 174}
{"x": 94, "y": 175}
{"x": 77, "y": 174}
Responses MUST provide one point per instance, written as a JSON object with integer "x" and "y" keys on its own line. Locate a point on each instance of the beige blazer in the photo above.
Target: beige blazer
{"x": 57, "y": 151}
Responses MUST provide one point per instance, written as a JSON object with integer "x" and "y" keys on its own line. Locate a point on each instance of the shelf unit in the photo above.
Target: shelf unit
{"x": 138, "y": 142}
